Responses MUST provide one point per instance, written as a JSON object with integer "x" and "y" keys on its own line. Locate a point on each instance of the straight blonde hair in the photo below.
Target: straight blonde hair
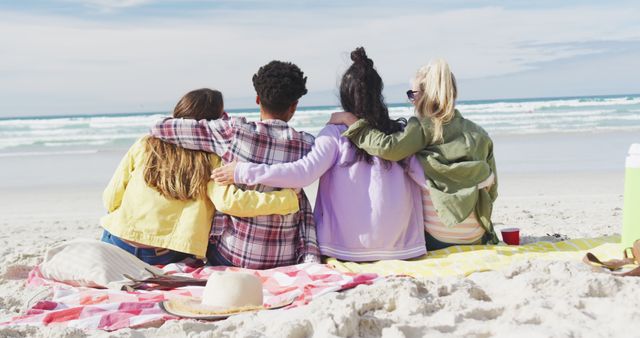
{"x": 438, "y": 96}
{"x": 179, "y": 173}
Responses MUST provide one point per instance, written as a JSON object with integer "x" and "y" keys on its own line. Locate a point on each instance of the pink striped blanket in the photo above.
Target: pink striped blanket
{"x": 104, "y": 309}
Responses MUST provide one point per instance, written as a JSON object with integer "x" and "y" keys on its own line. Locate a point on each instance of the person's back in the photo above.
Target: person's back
{"x": 249, "y": 242}
{"x": 264, "y": 241}
{"x": 374, "y": 207}
{"x": 369, "y": 211}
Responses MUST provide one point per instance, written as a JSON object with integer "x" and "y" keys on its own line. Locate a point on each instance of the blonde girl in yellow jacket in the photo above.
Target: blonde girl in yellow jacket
{"x": 160, "y": 199}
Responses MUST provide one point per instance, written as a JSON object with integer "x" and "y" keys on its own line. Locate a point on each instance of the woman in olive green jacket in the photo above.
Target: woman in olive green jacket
{"x": 456, "y": 155}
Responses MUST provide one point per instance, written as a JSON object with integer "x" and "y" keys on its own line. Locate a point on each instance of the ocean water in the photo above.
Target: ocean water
{"x": 32, "y": 136}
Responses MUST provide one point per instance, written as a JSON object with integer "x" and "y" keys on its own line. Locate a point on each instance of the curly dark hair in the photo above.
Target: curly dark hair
{"x": 279, "y": 84}
{"x": 361, "y": 94}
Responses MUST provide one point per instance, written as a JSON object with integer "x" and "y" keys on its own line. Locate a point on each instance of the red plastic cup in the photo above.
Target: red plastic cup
{"x": 511, "y": 236}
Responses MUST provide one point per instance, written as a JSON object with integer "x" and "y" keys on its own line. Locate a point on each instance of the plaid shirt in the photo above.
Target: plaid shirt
{"x": 260, "y": 242}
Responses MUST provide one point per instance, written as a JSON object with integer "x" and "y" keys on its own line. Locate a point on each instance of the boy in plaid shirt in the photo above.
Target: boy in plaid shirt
{"x": 260, "y": 242}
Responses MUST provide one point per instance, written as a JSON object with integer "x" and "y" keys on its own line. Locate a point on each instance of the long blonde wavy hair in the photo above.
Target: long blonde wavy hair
{"x": 179, "y": 173}
{"x": 439, "y": 91}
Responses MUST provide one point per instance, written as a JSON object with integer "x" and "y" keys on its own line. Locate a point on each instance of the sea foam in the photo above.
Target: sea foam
{"x": 578, "y": 114}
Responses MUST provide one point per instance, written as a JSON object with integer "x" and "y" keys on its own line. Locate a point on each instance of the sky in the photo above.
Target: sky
{"x": 115, "y": 56}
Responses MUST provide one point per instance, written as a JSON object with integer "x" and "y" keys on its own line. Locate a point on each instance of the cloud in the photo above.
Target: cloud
{"x": 77, "y": 65}
{"x": 111, "y": 5}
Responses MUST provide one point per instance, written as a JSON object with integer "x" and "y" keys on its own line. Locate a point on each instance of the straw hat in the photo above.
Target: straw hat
{"x": 225, "y": 294}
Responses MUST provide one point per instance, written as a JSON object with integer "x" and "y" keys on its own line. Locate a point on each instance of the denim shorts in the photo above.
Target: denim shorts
{"x": 434, "y": 244}
{"x": 153, "y": 256}
{"x": 214, "y": 258}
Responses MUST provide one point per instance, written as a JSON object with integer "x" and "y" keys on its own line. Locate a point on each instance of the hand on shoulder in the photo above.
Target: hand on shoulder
{"x": 225, "y": 174}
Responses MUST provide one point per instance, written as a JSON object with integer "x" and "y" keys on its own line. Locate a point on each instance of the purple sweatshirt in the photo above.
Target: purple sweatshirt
{"x": 363, "y": 212}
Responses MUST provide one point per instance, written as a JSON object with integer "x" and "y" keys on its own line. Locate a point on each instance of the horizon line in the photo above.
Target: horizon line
{"x": 234, "y": 110}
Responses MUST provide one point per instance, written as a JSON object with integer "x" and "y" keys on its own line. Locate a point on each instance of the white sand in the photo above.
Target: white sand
{"x": 529, "y": 299}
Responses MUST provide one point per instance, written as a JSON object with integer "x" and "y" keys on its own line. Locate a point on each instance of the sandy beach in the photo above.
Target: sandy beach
{"x": 579, "y": 196}
{"x": 554, "y": 84}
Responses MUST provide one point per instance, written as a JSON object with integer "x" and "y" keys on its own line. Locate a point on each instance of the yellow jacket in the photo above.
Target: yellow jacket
{"x": 139, "y": 213}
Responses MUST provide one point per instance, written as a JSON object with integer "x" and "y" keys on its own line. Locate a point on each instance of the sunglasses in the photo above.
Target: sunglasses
{"x": 411, "y": 94}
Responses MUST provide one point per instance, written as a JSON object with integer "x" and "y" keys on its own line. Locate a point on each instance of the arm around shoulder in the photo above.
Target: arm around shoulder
{"x": 298, "y": 174}
{"x": 392, "y": 147}
{"x": 209, "y": 136}
{"x": 234, "y": 201}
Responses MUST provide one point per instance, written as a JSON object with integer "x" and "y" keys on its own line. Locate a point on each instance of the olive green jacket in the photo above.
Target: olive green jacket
{"x": 453, "y": 168}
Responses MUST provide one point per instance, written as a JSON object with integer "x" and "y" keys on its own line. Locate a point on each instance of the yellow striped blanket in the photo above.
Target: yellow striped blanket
{"x": 463, "y": 260}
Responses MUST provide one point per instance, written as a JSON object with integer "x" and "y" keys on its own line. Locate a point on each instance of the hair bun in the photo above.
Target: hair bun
{"x": 360, "y": 56}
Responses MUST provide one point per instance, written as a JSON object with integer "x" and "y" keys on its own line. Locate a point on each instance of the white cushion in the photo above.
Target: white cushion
{"x": 92, "y": 263}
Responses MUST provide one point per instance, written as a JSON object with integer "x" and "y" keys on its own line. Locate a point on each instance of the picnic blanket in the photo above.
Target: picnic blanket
{"x": 105, "y": 309}
{"x": 463, "y": 260}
